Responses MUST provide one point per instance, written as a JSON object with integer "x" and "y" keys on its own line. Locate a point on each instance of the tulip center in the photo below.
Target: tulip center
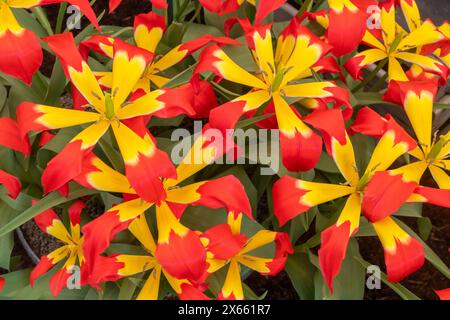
{"x": 109, "y": 106}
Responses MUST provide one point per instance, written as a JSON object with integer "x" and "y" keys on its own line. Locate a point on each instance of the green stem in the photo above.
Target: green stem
{"x": 377, "y": 86}
{"x": 43, "y": 20}
{"x": 370, "y": 76}
{"x": 111, "y": 154}
{"x": 60, "y": 18}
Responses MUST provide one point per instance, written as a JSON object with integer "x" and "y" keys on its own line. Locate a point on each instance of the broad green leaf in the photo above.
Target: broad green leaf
{"x": 424, "y": 224}
{"x": 301, "y": 272}
{"x": 49, "y": 201}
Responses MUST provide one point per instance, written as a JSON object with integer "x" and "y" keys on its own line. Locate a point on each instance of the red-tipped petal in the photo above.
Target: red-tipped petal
{"x": 21, "y": 54}
{"x": 443, "y": 294}
{"x": 332, "y": 251}
{"x": 11, "y": 183}
{"x": 75, "y": 212}
{"x": 384, "y": 195}
{"x": 226, "y": 192}
{"x": 183, "y": 256}
{"x": 41, "y": 268}
{"x": 222, "y": 243}
{"x": 11, "y": 136}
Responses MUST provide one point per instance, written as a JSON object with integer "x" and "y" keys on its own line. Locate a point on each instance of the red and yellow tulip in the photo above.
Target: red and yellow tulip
{"x": 276, "y": 82}
{"x": 226, "y": 245}
{"x": 110, "y": 110}
{"x": 377, "y": 194}
{"x": 149, "y": 29}
{"x": 178, "y": 250}
{"x": 71, "y": 248}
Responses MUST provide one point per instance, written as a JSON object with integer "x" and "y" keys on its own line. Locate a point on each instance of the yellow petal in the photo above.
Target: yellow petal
{"x": 388, "y": 24}
{"x": 412, "y": 172}
{"x": 441, "y": 177}
{"x": 185, "y": 195}
{"x": 264, "y": 53}
{"x": 351, "y": 212}
{"x": 150, "y": 290}
{"x": 167, "y": 222}
{"x": 233, "y": 72}
{"x": 261, "y": 238}
{"x": 319, "y": 193}
{"x": 288, "y": 122}
{"x": 255, "y": 263}
{"x": 233, "y": 283}
{"x": 55, "y": 118}
{"x": 90, "y": 136}
{"x": 344, "y": 157}
{"x": 395, "y": 71}
{"x": 411, "y": 13}
{"x": 145, "y": 105}
{"x": 254, "y": 99}
{"x": 419, "y": 108}
{"x": 309, "y": 90}
{"x": 147, "y": 38}
{"x": 425, "y": 62}
{"x": 139, "y": 228}
{"x": 372, "y": 41}
{"x": 86, "y": 82}
{"x": 130, "y": 144}
{"x": 389, "y": 232}
{"x": 126, "y": 73}
{"x": 134, "y": 264}
{"x": 427, "y": 33}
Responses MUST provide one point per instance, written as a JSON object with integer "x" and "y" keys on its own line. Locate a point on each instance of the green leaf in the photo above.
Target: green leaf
{"x": 410, "y": 210}
{"x": 371, "y": 98}
{"x": 49, "y": 201}
{"x": 425, "y": 226}
{"x": 397, "y": 287}
{"x": 301, "y": 272}
{"x": 7, "y": 241}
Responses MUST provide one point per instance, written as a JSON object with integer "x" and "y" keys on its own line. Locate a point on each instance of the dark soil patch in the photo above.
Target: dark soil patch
{"x": 40, "y": 242}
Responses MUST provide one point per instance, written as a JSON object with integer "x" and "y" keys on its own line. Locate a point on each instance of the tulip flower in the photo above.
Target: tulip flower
{"x": 109, "y": 110}
{"x": 393, "y": 44}
{"x": 377, "y": 194}
{"x": 226, "y": 245}
{"x": 297, "y": 52}
{"x": 178, "y": 250}
{"x": 149, "y": 28}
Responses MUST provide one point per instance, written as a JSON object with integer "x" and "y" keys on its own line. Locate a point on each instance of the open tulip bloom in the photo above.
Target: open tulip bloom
{"x": 97, "y": 152}
{"x": 378, "y": 193}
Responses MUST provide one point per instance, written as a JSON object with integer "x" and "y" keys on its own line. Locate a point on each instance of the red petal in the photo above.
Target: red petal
{"x": 406, "y": 259}
{"x": 286, "y": 197}
{"x": 223, "y": 244}
{"x": 11, "y": 136}
{"x": 226, "y": 192}
{"x": 21, "y": 54}
{"x": 300, "y": 153}
{"x": 439, "y": 197}
{"x": 183, "y": 257}
{"x": 332, "y": 251}
{"x": 75, "y": 212}
{"x": 443, "y": 294}
{"x": 283, "y": 248}
{"x": 384, "y": 195}
{"x": 59, "y": 281}
{"x": 64, "y": 167}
